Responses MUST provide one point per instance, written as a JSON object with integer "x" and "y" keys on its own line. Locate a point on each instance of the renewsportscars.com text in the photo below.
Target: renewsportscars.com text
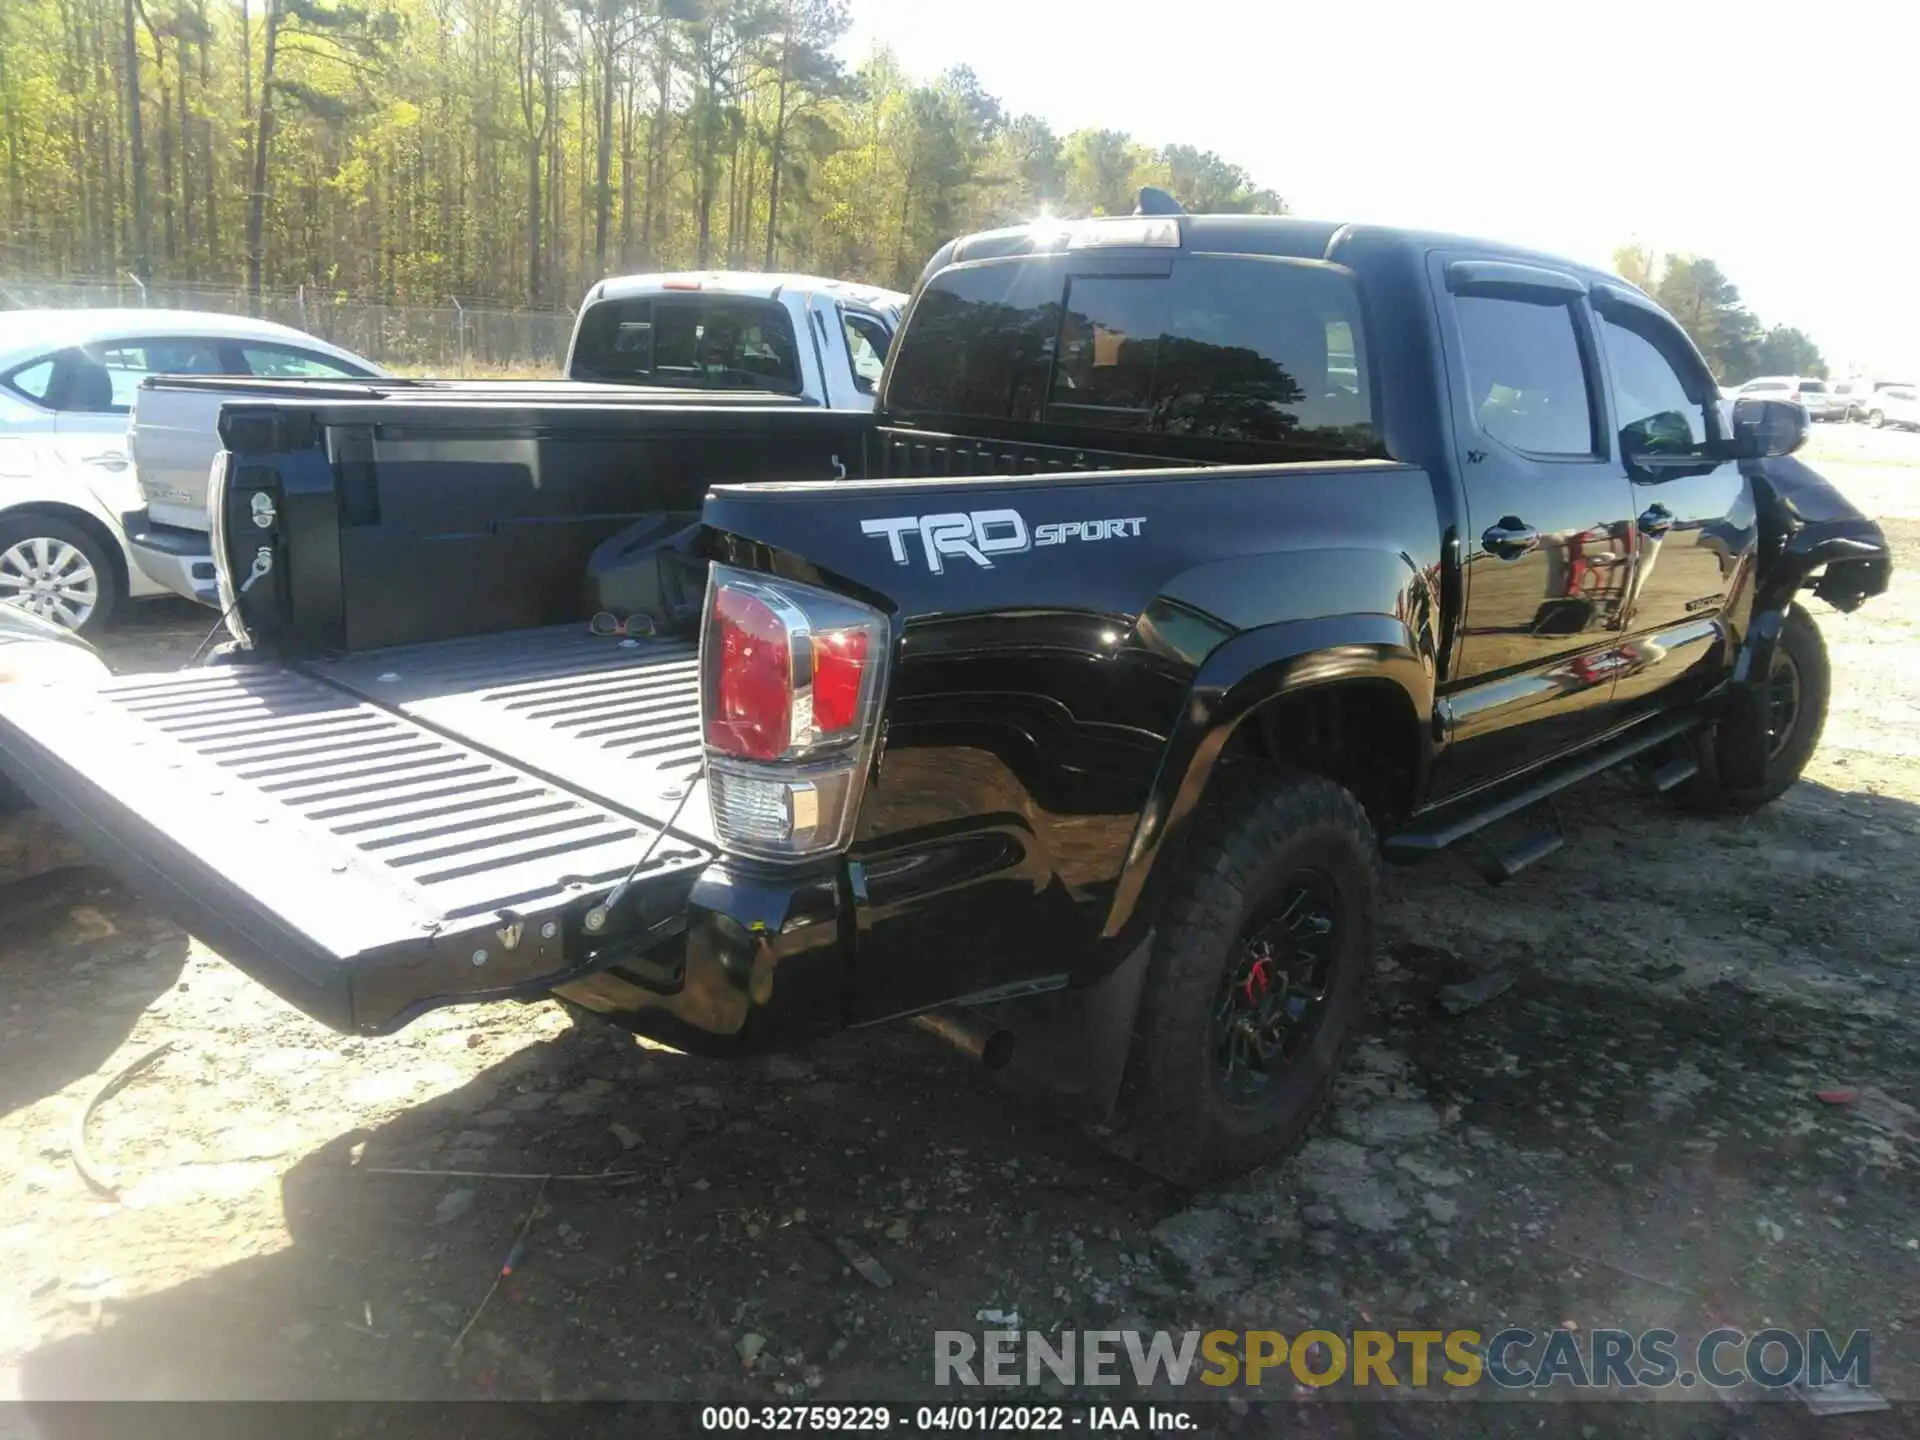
{"x": 1510, "y": 1359}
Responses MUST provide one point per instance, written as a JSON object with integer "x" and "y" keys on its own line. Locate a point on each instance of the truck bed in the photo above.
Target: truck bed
{"x": 615, "y": 720}
{"x": 450, "y": 798}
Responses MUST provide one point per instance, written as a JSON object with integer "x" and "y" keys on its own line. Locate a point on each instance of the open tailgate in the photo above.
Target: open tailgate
{"x": 360, "y": 864}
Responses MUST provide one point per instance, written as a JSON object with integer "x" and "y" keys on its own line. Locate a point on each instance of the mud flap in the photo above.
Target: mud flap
{"x": 1074, "y": 1043}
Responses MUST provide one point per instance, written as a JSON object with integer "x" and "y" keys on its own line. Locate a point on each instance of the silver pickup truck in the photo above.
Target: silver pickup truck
{"x": 822, "y": 342}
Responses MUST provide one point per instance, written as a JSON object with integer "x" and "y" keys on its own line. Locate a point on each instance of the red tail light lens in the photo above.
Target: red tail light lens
{"x": 750, "y": 709}
{"x": 791, "y": 679}
{"x": 839, "y": 662}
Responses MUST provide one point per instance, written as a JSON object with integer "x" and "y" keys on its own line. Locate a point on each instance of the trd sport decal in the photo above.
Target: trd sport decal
{"x": 978, "y": 535}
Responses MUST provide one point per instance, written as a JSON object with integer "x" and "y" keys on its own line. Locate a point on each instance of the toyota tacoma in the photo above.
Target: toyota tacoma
{"x": 1066, "y": 704}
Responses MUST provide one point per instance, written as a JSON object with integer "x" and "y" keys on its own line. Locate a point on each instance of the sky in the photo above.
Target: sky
{"x": 1781, "y": 141}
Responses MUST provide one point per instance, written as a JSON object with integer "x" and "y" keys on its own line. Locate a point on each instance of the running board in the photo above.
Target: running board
{"x": 1448, "y": 825}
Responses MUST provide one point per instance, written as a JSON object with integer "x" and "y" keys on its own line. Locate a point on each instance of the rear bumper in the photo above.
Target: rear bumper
{"x": 760, "y": 965}
{"x": 175, "y": 559}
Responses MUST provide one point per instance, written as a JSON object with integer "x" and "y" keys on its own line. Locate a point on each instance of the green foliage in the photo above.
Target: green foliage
{"x": 519, "y": 149}
{"x": 1783, "y": 350}
{"x": 1707, "y": 304}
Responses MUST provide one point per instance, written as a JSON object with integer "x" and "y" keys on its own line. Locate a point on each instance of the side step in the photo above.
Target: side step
{"x": 1677, "y": 771}
{"x": 1500, "y": 863}
{"x": 1448, "y": 825}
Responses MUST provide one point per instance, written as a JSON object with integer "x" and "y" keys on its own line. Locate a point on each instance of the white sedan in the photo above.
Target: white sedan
{"x": 67, "y": 380}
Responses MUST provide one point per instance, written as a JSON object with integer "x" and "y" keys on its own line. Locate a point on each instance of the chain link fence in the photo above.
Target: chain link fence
{"x": 451, "y": 339}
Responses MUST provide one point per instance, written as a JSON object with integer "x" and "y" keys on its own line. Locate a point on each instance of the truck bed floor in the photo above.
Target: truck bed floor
{"x": 615, "y": 720}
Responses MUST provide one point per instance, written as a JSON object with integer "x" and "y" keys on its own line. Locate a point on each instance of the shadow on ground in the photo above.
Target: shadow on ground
{"x": 1629, "y": 1131}
{"x": 80, "y": 958}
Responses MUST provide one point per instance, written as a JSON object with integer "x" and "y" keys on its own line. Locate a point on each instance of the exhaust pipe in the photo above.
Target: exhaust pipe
{"x": 991, "y": 1045}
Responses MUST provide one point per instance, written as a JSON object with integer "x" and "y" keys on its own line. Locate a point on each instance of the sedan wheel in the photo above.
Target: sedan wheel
{"x": 1876, "y": 419}
{"x": 57, "y": 572}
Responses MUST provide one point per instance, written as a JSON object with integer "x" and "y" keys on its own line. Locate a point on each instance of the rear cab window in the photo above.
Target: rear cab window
{"x": 694, "y": 340}
{"x": 1239, "y": 349}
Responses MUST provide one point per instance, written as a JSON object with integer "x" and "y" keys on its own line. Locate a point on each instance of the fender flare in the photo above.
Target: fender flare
{"x": 1235, "y": 680}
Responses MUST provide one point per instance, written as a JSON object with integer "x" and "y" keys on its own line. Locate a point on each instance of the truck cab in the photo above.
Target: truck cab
{"x": 823, "y": 341}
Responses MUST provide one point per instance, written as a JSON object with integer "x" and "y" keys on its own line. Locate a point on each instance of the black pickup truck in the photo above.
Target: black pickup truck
{"x": 1067, "y": 703}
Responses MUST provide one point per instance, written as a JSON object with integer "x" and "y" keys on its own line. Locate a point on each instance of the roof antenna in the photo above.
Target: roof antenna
{"x": 1155, "y": 201}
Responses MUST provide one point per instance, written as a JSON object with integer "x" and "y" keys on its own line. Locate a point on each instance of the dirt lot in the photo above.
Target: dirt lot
{"x": 1629, "y": 1135}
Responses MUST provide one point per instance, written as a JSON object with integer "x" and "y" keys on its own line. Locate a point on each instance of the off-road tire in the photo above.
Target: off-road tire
{"x": 1175, "y": 1118}
{"x": 1726, "y": 750}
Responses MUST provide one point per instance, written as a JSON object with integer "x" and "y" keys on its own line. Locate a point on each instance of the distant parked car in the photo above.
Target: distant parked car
{"x": 1818, "y": 396}
{"x": 69, "y": 494}
{"x": 1893, "y": 405}
{"x": 1854, "y": 392}
{"x": 824, "y": 341}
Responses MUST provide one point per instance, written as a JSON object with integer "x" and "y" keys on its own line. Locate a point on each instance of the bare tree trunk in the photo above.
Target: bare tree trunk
{"x": 626, "y": 177}
{"x": 534, "y": 150}
{"x": 776, "y": 146}
{"x": 166, "y": 135}
{"x": 749, "y": 186}
{"x": 603, "y": 159}
{"x": 906, "y": 209}
{"x": 733, "y": 195}
{"x": 136, "y": 139}
{"x": 246, "y": 63}
{"x": 16, "y": 185}
{"x": 209, "y": 177}
{"x": 656, "y": 152}
{"x": 186, "y": 148}
{"x": 528, "y": 62}
{"x": 262, "y": 148}
{"x": 109, "y": 82}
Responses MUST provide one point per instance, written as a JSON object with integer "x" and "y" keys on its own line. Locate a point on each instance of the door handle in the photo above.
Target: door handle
{"x": 1509, "y": 538}
{"x": 106, "y": 460}
{"x": 1655, "y": 520}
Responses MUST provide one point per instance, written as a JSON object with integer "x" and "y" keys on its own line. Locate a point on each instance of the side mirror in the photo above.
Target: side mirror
{"x": 1665, "y": 433}
{"x": 1763, "y": 429}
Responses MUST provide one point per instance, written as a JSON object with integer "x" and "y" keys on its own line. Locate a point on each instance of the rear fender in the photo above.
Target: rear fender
{"x": 1248, "y": 672}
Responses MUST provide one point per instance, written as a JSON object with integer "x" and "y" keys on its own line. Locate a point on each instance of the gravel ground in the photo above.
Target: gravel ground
{"x": 1627, "y": 1134}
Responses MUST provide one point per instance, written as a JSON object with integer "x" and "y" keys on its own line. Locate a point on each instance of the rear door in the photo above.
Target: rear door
{"x": 1549, "y": 544}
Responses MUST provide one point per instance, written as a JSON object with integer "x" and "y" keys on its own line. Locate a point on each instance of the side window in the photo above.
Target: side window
{"x": 283, "y": 362}
{"x": 34, "y": 380}
{"x": 1658, "y": 410}
{"x": 867, "y": 341}
{"x": 128, "y": 362}
{"x": 1525, "y": 375}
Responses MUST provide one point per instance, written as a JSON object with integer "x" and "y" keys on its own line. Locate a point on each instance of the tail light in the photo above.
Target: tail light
{"x": 790, "y": 685}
